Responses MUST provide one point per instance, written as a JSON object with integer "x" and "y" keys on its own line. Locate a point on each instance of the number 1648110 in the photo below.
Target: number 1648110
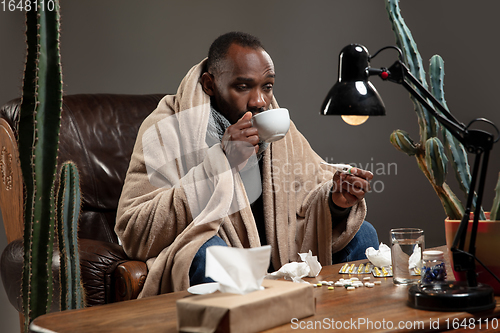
{"x": 27, "y": 5}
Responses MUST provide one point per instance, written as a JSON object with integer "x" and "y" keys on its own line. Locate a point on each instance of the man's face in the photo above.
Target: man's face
{"x": 244, "y": 83}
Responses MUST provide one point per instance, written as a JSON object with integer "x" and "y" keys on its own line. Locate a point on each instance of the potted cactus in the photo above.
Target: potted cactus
{"x": 38, "y": 140}
{"x": 434, "y": 154}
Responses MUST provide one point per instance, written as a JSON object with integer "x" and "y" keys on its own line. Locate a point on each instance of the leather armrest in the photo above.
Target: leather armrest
{"x": 98, "y": 262}
{"x": 129, "y": 279}
{"x": 11, "y": 269}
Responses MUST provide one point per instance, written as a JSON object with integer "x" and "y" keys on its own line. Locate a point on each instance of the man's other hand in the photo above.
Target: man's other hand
{"x": 349, "y": 189}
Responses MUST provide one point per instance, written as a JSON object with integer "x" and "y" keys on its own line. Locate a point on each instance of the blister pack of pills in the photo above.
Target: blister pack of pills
{"x": 353, "y": 269}
{"x": 382, "y": 271}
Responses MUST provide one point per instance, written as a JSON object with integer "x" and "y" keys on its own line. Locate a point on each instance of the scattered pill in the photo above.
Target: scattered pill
{"x": 366, "y": 278}
{"x": 351, "y": 288}
{"x": 378, "y": 282}
{"x": 330, "y": 288}
{"x": 319, "y": 284}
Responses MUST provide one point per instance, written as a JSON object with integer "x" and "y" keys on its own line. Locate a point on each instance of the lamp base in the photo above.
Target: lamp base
{"x": 452, "y": 296}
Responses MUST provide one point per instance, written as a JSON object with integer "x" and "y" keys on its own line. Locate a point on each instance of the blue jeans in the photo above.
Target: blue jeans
{"x": 355, "y": 250}
{"x": 365, "y": 237}
{"x": 197, "y": 269}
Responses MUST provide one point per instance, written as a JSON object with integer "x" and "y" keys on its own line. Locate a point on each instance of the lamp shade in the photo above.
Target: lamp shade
{"x": 353, "y": 94}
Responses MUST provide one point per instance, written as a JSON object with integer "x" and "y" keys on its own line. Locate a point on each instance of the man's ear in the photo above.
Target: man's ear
{"x": 208, "y": 83}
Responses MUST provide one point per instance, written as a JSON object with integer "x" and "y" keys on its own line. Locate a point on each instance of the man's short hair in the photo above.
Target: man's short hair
{"x": 218, "y": 50}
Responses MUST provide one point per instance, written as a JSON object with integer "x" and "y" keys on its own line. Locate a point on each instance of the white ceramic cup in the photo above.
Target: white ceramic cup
{"x": 272, "y": 124}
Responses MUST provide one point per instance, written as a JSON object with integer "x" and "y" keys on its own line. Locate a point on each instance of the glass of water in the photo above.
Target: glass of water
{"x": 407, "y": 245}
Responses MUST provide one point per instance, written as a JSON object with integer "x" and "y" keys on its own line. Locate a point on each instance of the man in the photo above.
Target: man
{"x": 199, "y": 176}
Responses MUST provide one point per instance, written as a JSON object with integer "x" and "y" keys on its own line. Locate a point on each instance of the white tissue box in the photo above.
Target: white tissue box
{"x": 277, "y": 304}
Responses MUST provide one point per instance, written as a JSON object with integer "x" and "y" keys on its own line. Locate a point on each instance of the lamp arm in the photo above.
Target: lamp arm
{"x": 398, "y": 72}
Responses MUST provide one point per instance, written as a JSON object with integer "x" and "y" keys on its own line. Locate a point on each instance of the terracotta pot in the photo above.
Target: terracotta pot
{"x": 487, "y": 249}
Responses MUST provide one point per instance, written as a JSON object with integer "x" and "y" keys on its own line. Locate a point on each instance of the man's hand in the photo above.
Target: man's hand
{"x": 349, "y": 189}
{"x": 240, "y": 141}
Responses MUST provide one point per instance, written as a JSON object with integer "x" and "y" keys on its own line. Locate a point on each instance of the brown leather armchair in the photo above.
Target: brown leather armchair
{"x": 98, "y": 133}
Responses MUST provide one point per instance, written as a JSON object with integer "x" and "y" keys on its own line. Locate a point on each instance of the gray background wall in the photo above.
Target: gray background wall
{"x": 141, "y": 47}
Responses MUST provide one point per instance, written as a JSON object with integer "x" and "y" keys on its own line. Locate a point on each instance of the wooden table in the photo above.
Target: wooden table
{"x": 379, "y": 309}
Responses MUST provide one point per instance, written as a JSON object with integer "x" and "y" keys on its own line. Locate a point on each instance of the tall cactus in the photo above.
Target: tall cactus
{"x": 38, "y": 145}
{"x": 404, "y": 40}
{"x": 430, "y": 152}
{"x": 454, "y": 149}
{"x": 68, "y": 204}
{"x": 38, "y": 141}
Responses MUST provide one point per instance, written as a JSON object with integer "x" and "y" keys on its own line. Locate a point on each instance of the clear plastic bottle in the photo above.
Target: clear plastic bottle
{"x": 433, "y": 268}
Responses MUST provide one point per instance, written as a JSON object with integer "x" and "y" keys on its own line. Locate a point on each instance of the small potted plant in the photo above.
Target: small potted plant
{"x": 433, "y": 155}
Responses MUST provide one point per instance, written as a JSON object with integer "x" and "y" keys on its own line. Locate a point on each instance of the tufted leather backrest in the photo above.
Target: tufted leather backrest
{"x": 98, "y": 132}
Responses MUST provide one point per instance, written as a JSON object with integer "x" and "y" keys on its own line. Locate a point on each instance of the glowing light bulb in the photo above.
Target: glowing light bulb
{"x": 355, "y": 120}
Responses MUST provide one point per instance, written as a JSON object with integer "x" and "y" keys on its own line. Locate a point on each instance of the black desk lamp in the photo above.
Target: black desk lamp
{"x": 354, "y": 95}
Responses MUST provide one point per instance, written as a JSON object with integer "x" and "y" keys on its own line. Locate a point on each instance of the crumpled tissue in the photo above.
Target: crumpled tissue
{"x": 380, "y": 257}
{"x": 415, "y": 258}
{"x": 295, "y": 271}
{"x": 238, "y": 271}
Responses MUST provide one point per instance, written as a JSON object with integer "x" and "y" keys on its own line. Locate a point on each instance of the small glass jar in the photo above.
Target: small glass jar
{"x": 433, "y": 268}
